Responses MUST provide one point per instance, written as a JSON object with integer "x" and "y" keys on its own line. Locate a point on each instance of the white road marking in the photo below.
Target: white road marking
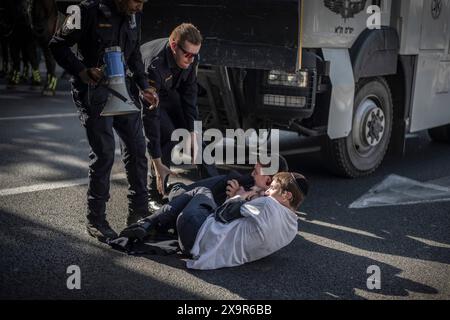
{"x": 43, "y": 116}
{"x": 342, "y": 228}
{"x": 430, "y": 243}
{"x": 52, "y": 185}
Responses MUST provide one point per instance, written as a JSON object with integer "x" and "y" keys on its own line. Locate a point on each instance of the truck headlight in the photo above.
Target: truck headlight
{"x": 281, "y": 78}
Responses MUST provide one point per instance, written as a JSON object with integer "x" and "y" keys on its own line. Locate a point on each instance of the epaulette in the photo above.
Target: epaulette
{"x": 156, "y": 61}
{"x": 89, "y": 3}
{"x": 105, "y": 10}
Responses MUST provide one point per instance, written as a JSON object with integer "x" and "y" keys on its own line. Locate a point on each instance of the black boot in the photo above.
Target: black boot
{"x": 138, "y": 230}
{"x": 100, "y": 229}
{"x": 136, "y": 215}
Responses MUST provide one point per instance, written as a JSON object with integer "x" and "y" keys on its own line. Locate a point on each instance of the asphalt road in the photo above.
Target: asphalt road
{"x": 43, "y": 170}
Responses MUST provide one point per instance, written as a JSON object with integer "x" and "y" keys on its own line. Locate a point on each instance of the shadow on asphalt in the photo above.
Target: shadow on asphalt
{"x": 35, "y": 259}
{"x": 317, "y": 272}
{"x": 404, "y": 230}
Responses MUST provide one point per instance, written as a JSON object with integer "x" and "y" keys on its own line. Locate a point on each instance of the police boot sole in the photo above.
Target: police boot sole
{"x": 136, "y": 233}
{"x": 93, "y": 232}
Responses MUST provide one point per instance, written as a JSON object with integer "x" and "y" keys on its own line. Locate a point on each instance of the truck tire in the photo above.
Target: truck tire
{"x": 364, "y": 149}
{"x": 440, "y": 134}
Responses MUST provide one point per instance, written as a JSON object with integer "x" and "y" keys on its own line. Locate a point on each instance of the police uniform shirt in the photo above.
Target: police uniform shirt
{"x": 164, "y": 75}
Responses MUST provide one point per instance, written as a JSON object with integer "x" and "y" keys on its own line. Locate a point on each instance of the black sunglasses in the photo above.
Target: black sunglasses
{"x": 188, "y": 54}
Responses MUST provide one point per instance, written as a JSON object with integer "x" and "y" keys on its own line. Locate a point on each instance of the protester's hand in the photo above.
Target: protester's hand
{"x": 232, "y": 188}
{"x": 91, "y": 75}
{"x": 255, "y": 192}
{"x": 151, "y": 97}
{"x": 248, "y": 195}
{"x": 162, "y": 172}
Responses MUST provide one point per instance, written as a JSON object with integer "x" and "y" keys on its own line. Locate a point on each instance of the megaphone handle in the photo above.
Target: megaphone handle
{"x": 116, "y": 94}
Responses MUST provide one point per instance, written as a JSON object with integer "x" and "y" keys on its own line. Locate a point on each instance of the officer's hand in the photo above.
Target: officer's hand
{"x": 151, "y": 97}
{"x": 162, "y": 173}
{"x": 91, "y": 75}
{"x": 233, "y": 188}
{"x": 194, "y": 147}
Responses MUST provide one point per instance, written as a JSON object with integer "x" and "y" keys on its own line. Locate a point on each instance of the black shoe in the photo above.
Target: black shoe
{"x": 134, "y": 217}
{"x": 50, "y": 87}
{"x": 122, "y": 244}
{"x": 138, "y": 230}
{"x": 100, "y": 230}
{"x": 36, "y": 81}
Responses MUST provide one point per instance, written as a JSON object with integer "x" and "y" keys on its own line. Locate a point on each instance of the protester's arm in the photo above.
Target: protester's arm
{"x": 253, "y": 208}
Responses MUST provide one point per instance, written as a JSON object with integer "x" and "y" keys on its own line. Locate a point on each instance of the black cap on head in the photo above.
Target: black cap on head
{"x": 302, "y": 184}
{"x": 282, "y": 163}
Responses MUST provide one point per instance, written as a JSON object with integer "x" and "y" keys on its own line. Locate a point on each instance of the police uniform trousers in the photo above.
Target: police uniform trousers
{"x": 100, "y": 136}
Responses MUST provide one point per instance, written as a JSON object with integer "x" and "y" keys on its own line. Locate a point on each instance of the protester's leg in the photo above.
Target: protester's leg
{"x": 179, "y": 188}
{"x": 217, "y": 185}
{"x": 193, "y": 216}
{"x": 166, "y": 217}
{"x": 129, "y": 128}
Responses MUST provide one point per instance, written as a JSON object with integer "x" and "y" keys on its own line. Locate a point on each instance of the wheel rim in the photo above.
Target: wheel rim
{"x": 369, "y": 126}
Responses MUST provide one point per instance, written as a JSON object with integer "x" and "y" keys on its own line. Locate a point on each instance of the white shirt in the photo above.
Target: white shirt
{"x": 267, "y": 226}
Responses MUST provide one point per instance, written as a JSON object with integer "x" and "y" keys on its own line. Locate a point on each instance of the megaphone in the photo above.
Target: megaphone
{"x": 119, "y": 101}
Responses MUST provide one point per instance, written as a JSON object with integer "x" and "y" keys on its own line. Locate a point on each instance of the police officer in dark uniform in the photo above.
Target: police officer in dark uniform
{"x": 23, "y": 44}
{"x": 171, "y": 65}
{"x": 44, "y": 19}
{"x": 103, "y": 24}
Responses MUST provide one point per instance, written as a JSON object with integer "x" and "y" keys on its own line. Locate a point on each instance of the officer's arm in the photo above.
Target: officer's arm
{"x": 61, "y": 43}
{"x": 188, "y": 94}
{"x": 152, "y": 119}
{"x": 137, "y": 66}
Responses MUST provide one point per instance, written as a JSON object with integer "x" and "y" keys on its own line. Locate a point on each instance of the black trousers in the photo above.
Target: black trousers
{"x": 41, "y": 13}
{"x": 23, "y": 44}
{"x": 186, "y": 213}
{"x": 50, "y": 63}
{"x": 4, "y": 42}
{"x": 100, "y": 135}
{"x": 217, "y": 185}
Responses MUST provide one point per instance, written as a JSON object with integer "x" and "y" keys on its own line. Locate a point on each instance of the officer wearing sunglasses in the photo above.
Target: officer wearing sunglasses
{"x": 171, "y": 64}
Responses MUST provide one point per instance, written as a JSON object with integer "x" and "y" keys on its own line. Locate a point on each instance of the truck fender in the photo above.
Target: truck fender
{"x": 342, "y": 92}
{"x": 375, "y": 53}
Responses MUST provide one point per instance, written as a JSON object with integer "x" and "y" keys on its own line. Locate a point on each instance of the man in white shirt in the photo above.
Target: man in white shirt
{"x": 255, "y": 230}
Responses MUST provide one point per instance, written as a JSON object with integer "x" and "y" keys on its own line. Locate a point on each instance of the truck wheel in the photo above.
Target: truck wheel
{"x": 440, "y": 134}
{"x": 364, "y": 149}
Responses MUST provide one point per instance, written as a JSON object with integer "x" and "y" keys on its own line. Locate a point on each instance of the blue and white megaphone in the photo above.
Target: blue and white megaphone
{"x": 119, "y": 101}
